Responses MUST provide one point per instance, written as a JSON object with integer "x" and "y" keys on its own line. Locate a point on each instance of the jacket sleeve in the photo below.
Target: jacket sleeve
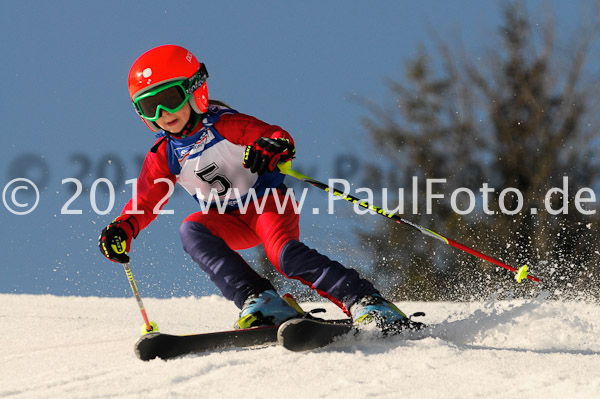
{"x": 151, "y": 193}
{"x": 245, "y": 129}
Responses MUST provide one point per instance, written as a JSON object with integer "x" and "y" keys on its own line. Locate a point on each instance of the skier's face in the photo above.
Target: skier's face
{"x": 175, "y": 122}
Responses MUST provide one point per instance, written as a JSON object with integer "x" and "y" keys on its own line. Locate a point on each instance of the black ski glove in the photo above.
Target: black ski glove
{"x": 265, "y": 153}
{"x": 115, "y": 239}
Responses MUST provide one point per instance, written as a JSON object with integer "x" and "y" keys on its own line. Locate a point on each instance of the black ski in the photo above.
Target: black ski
{"x": 166, "y": 346}
{"x": 305, "y": 334}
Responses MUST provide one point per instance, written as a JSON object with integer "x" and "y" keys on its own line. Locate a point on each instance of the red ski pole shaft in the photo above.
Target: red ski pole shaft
{"x": 464, "y": 248}
{"x": 286, "y": 169}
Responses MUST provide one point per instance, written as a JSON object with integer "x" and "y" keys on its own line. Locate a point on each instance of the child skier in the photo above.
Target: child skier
{"x": 205, "y": 145}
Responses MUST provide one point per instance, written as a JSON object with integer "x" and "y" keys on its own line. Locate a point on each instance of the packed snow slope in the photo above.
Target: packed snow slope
{"x": 82, "y": 347}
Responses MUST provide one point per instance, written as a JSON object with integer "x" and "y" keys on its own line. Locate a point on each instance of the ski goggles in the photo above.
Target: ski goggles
{"x": 169, "y": 97}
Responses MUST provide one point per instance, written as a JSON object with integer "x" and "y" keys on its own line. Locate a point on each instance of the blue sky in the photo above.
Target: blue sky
{"x": 302, "y": 65}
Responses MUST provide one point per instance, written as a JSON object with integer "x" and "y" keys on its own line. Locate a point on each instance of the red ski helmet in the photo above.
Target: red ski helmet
{"x": 164, "y": 64}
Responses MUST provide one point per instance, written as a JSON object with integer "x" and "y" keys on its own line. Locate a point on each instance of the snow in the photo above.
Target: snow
{"x": 82, "y": 347}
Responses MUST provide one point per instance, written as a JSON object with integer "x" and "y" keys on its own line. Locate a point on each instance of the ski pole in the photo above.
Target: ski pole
{"x": 148, "y": 326}
{"x": 520, "y": 274}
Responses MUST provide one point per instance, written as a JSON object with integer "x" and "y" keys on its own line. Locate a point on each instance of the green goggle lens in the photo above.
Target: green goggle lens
{"x": 170, "y": 97}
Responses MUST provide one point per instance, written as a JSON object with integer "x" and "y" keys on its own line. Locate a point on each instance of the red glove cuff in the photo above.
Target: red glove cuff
{"x": 129, "y": 225}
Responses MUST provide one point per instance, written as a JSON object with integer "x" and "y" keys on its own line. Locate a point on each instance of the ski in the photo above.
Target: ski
{"x": 304, "y": 334}
{"x": 167, "y": 346}
{"x": 307, "y": 334}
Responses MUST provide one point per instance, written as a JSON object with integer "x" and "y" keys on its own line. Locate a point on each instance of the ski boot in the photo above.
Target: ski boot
{"x": 373, "y": 312}
{"x": 266, "y": 309}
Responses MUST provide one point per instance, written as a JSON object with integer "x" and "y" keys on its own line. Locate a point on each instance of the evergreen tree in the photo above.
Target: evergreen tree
{"x": 524, "y": 120}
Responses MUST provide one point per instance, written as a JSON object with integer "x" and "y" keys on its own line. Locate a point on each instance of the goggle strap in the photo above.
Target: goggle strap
{"x": 197, "y": 80}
